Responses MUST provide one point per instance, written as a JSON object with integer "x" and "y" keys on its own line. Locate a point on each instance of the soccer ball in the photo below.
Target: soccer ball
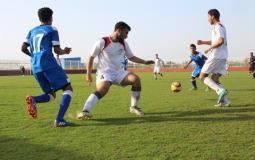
{"x": 176, "y": 87}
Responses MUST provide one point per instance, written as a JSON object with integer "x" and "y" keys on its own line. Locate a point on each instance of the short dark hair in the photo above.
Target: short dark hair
{"x": 45, "y": 14}
{"x": 215, "y": 13}
{"x": 193, "y": 46}
{"x": 122, "y": 25}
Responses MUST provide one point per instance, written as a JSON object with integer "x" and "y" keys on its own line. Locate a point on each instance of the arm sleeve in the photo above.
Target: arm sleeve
{"x": 97, "y": 48}
{"x": 28, "y": 38}
{"x": 55, "y": 37}
{"x": 128, "y": 52}
{"x": 200, "y": 55}
{"x": 220, "y": 31}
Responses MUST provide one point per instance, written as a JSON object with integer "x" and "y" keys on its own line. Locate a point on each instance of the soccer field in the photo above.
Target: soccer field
{"x": 182, "y": 125}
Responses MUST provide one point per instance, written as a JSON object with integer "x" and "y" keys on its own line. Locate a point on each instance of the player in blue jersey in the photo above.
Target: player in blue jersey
{"x": 50, "y": 76}
{"x": 199, "y": 60}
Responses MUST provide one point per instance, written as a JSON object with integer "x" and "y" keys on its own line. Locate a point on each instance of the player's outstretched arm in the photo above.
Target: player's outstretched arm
{"x": 141, "y": 61}
{"x": 60, "y": 51}
{"x": 24, "y": 49}
{"x": 89, "y": 69}
{"x": 186, "y": 66}
{"x": 201, "y": 42}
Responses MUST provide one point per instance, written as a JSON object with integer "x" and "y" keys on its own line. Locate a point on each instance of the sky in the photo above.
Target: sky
{"x": 166, "y": 27}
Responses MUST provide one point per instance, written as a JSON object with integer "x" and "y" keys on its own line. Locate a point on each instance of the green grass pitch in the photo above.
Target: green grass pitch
{"x": 182, "y": 125}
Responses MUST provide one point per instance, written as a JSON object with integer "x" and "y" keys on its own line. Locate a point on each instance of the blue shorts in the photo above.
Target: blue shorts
{"x": 52, "y": 79}
{"x": 196, "y": 72}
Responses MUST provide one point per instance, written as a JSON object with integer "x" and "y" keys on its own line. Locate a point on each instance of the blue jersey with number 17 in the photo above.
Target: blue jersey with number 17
{"x": 41, "y": 39}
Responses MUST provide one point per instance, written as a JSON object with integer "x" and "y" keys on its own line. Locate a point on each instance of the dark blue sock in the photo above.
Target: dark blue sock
{"x": 194, "y": 84}
{"x": 64, "y": 104}
{"x": 42, "y": 98}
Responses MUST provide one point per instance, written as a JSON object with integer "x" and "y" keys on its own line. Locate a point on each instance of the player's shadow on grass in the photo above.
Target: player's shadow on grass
{"x": 243, "y": 105}
{"x": 243, "y": 90}
{"x": 205, "y": 115}
{"x": 13, "y": 148}
{"x": 18, "y": 87}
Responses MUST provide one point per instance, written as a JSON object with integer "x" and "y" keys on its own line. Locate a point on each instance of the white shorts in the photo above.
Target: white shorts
{"x": 216, "y": 66}
{"x": 115, "y": 77}
{"x": 156, "y": 70}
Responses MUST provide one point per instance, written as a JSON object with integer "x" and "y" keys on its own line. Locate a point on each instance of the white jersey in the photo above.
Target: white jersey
{"x": 221, "y": 52}
{"x": 110, "y": 58}
{"x": 157, "y": 62}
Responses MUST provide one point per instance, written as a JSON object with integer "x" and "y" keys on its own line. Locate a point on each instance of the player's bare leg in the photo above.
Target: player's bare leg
{"x": 134, "y": 80}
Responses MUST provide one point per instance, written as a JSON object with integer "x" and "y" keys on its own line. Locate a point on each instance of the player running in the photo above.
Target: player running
{"x": 199, "y": 59}
{"x": 217, "y": 58}
{"x": 50, "y": 76}
{"x": 110, "y": 51}
{"x": 157, "y": 66}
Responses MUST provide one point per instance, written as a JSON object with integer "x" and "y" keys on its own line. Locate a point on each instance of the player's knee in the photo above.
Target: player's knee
{"x": 103, "y": 90}
{"x": 52, "y": 96}
{"x": 103, "y": 87}
{"x": 68, "y": 87}
{"x": 136, "y": 80}
{"x": 215, "y": 78}
{"x": 98, "y": 94}
{"x": 68, "y": 90}
{"x": 202, "y": 76}
{"x": 101, "y": 93}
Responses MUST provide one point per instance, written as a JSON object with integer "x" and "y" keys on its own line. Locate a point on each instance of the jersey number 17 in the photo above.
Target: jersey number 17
{"x": 37, "y": 42}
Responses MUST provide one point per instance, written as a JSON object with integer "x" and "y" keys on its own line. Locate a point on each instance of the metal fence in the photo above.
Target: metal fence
{"x": 14, "y": 65}
{"x": 76, "y": 65}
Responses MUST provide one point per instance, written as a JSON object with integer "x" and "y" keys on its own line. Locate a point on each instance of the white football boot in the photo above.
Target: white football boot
{"x": 136, "y": 110}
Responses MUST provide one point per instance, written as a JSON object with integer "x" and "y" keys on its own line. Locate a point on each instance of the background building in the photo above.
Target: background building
{"x": 72, "y": 63}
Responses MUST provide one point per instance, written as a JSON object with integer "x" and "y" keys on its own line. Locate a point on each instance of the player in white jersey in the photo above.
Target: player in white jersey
{"x": 217, "y": 58}
{"x": 157, "y": 66}
{"x": 110, "y": 52}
